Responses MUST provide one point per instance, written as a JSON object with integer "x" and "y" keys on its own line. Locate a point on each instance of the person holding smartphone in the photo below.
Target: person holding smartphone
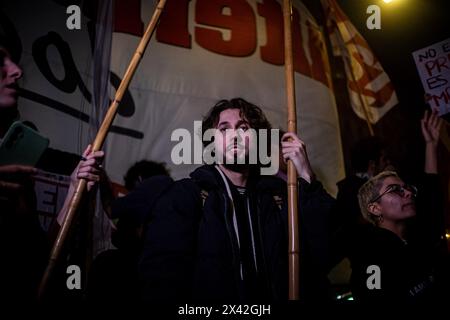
{"x": 24, "y": 246}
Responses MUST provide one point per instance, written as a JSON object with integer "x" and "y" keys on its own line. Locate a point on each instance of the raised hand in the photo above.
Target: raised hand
{"x": 431, "y": 125}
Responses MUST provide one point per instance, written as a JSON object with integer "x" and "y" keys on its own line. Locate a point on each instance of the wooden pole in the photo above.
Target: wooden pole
{"x": 98, "y": 143}
{"x": 293, "y": 249}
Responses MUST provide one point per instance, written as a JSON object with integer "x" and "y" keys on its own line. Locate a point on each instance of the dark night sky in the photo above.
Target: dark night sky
{"x": 406, "y": 26}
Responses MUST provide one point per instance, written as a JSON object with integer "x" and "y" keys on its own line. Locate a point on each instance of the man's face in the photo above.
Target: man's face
{"x": 397, "y": 203}
{"x": 232, "y": 138}
{"x": 10, "y": 73}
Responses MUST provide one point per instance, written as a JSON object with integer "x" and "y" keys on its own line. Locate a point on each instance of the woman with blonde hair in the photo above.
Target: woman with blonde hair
{"x": 400, "y": 255}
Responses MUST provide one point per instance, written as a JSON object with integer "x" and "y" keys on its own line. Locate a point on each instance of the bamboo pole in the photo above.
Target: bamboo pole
{"x": 293, "y": 250}
{"x": 98, "y": 143}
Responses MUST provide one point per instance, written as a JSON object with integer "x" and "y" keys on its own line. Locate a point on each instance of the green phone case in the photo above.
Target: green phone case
{"x": 22, "y": 145}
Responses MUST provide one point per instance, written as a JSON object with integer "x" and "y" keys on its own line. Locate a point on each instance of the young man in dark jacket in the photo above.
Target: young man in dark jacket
{"x": 221, "y": 235}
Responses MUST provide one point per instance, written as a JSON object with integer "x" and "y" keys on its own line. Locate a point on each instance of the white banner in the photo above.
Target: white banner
{"x": 203, "y": 51}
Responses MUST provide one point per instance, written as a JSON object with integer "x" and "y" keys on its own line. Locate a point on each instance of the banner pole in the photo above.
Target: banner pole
{"x": 293, "y": 250}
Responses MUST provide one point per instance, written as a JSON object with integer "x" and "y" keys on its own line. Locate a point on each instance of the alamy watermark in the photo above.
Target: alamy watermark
{"x": 74, "y": 279}
{"x": 374, "y": 20}
{"x": 73, "y": 21}
{"x": 374, "y": 279}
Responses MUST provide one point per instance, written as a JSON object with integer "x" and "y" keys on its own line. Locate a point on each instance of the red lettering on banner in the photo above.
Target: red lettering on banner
{"x": 127, "y": 17}
{"x": 273, "y": 51}
{"x": 241, "y": 23}
{"x": 173, "y": 25}
{"x": 238, "y": 17}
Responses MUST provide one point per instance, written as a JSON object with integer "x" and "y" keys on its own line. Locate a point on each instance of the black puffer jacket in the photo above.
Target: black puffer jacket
{"x": 190, "y": 249}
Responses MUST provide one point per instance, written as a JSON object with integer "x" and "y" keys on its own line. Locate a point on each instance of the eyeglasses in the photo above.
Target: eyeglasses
{"x": 398, "y": 190}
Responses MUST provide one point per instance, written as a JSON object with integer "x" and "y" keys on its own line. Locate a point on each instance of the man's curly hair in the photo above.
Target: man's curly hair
{"x": 250, "y": 112}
